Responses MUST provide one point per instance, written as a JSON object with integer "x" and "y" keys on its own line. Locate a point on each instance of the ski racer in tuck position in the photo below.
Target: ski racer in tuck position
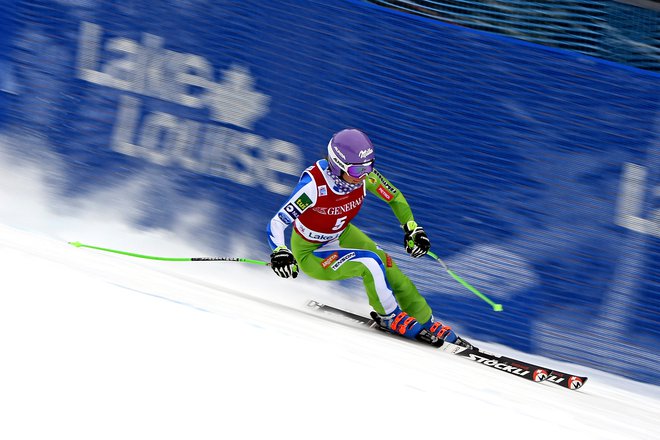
{"x": 327, "y": 246}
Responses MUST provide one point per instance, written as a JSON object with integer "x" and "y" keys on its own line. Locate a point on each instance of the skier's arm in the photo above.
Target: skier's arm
{"x": 415, "y": 239}
{"x": 378, "y": 185}
{"x": 302, "y": 198}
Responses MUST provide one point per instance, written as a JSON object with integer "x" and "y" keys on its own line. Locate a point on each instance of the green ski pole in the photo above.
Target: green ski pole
{"x": 151, "y": 257}
{"x": 496, "y": 307}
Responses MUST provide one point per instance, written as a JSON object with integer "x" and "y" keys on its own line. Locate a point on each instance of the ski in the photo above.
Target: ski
{"x": 525, "y": 370}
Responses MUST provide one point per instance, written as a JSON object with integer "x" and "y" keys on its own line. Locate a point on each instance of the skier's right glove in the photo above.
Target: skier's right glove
{"x": 283, "y": 262}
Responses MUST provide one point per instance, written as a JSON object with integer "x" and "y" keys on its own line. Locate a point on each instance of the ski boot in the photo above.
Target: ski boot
{"x": 432, "y": 332}
{"x": 398, "y": 322}
{"x": 438, "y": 334}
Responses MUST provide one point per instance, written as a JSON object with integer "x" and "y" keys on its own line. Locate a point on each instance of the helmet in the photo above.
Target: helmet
{"x": 351, "y": 151}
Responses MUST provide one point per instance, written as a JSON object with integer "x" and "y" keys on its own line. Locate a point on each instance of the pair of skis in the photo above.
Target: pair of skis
{"x": 509, "y": 365}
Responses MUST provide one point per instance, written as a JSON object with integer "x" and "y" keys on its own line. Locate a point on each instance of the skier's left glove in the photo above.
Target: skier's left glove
{"x": 283, "y": 262}
{"x": 416, "y": 241}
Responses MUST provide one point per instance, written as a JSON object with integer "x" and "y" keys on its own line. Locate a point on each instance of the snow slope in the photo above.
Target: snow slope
{"x": 96, "y": 345}
{"x": 103, "y": 346}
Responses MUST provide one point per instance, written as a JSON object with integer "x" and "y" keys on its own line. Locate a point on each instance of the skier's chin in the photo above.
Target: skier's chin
{"x": 352, "y": 180}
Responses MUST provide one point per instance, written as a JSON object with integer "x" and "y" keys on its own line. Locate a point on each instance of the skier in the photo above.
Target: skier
{"x": 327, "y": 246}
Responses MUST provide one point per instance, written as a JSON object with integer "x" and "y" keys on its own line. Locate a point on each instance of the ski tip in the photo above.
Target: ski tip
{"x": 498, "y": 307}
{"x": 75, "y": 243}
{"x": 576, "y": 382}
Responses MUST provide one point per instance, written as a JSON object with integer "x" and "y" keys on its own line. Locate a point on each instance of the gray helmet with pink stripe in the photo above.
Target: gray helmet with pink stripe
{"x": 351, "y": 151}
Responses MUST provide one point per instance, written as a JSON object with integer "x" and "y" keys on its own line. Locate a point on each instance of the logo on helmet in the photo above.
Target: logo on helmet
{"x": 337, "y": 161}
{"x": 338, "y": 151}
{"x": 364, "y": 153}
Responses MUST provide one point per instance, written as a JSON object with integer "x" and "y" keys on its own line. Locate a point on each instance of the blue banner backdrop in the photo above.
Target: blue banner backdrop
{"x": 534, "y": 170}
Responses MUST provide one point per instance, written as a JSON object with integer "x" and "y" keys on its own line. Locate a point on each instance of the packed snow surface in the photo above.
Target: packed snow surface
{"x": 95, "y": 345}
{"x": 102, "y": 346}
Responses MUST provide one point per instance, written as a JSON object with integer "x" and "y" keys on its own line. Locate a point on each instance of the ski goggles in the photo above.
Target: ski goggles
{"x": 359, "y": 170}
{"x": 355, "y": 170}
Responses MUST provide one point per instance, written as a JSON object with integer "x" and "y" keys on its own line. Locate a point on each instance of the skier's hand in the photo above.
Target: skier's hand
{"x": 416, "y": 241}
{"x": 284, "y": 263}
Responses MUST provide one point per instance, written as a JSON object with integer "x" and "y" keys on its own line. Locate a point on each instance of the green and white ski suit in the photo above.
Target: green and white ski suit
{"x": 328, "y": 246}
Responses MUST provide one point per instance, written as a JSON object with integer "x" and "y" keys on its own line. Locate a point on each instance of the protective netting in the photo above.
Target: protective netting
{"x": 603, "y": 28}
{"x": 533, "y": 170}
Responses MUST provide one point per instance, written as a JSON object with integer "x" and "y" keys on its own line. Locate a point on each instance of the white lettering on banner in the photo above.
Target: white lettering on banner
{"x": 165, "y": 139}
{"x": 630, "y": 204}
{"x": 146, "y": 68}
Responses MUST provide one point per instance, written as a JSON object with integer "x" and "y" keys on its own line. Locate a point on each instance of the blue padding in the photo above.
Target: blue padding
{"x": 533, "y": 170}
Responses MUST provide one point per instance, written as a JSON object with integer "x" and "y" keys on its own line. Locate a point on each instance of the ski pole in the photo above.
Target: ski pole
{"x": 150, "y": 257}
{"x": 496, "y": 307}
